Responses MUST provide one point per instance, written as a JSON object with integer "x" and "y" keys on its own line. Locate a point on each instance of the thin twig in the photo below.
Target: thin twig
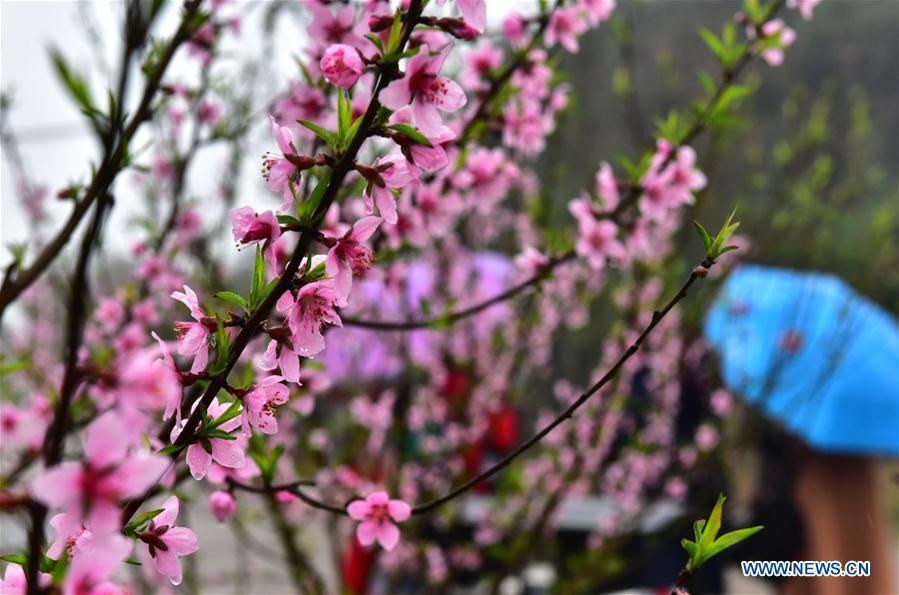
{"x": 657, "y": 317}
{"x": 453, "y": 317}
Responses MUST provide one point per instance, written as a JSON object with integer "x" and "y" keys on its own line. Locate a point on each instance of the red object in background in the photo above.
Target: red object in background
{"x": 456, "y": 386}
{"x": 355, "y": 566}
{"x": 503, "y": 429}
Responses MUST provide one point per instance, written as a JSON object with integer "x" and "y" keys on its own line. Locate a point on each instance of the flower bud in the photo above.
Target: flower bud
{"x": 222, "y": 505}
{"x": 342, "y": 65}
{"x": 700, "y": 271}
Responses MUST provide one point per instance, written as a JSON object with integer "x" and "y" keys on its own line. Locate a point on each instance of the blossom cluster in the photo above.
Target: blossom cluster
{"x": 403, "y": 143}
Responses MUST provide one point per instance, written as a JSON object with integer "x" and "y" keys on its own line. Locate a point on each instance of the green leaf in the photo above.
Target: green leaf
{"x": 376, "y": 41}
{"x": 697, "y": 529}
{"x": 690, "y": 547}
{"x": 396, "y": 57}
{"x": 308, "y": 208}
{"x": 222, "y": 345}
{"x": 48, "y": 564}
{"x": 706, "y": 240}
{"x": 59, "y": 570}
{"x": 15, "y": 559}
{"x": 713, "y": 525}
{"x": 713, "y": 42}
{"x": 727, "y": 230}
{"x": 74, "y": 83}
{"x": 351, "y": 133}
{"x": 267, "y": 289}
{"x": 211, "y": 432}
{"x": 412, "y": 133}
{"x": 316, "y": 274}
{"x": 289, "y": 220}
{"x": 230, "y": 296}
{"x": 393, "y": 39}
{"x": 142, "y": 519}
{"x": 258, "y": 280}
{"x": 232, "y": 412}
{"x": 344, "y": 117}
{"x": 170, "y": 449}
{"x": 329, "y": 137}
{"x": 729, "y": 540}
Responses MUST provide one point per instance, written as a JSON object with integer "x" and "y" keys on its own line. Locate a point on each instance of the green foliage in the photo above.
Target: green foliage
{"x": 706, "y": 542}
{"x": 142, "y": 519}
{"x": 234, "y": 298}
{"x": 412, "y": 133}
{"x": 307, "y": 209}
{"x": 330, "y": 138}
{"x": 716, "y": 247}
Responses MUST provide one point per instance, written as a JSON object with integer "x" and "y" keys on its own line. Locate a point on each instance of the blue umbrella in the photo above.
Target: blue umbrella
{"x": 813, "y": 355}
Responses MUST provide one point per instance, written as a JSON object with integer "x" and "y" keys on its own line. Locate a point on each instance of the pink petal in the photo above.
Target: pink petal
{"x": 396, "y": 94}
{"x": 137, "y": 474}
{"x": 181, "y": 541}
{"x": 474, "y": 12}
{"x": 378, "y": 498}
{"x": 168, "y": 565}
{"x": 386, "y": 204}
{"x": 106, "y": 440}
{"x": 169, "y": 512}
{"x": 364, "y": 228}
{"x": 201, "y": 359}
{"x": 198, "y": 460}
{"x": 367, "y": 532}
{"x": 452, "y": 97}
{"x": 228, "y": 453}
{"x": 289, "y": 363}
{"x": 426, "y": 117}
{"x": 399, "y": 511}
{"x": 358, "y": 510}
{"x": 283, "y": 136}
{"x": 343, "y": 283}
{"x": 58, "y": 486}
{"x": 388, "y": 536}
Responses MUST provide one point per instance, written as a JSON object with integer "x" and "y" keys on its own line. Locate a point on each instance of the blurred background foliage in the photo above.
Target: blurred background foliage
{"x": 809, "y": 157}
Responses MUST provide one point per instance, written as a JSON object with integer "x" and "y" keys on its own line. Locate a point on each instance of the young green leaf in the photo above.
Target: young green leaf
{"x": 730, "y": 539}
{"x": 15, "y": 559}
{"x": 329, "y": 137}
{"x": 171, "y": 449}
{"x": 697, "y": 529}
{"x": 142, "y": 519}
{"x": 309, "y": 206}
{"x": 713, "y": 525}
{"x": 258, "y": 279}
{"x": 393, "y": 39}
{"x": 344, "y": 117}
{"x": 412, "y": 133}
{"x": 230, "y": 296}
{"x": 706, "y": 240}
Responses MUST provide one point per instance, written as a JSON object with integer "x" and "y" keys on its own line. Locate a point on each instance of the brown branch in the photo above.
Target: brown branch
{"x": 260, "y": 314}
{"x": 427, "y": 507}
{"x": 453, "y": 317}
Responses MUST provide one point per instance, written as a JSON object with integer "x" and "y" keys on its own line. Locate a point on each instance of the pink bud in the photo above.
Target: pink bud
{"x": 342, "y": 65}
{"x": 222, "y": 505}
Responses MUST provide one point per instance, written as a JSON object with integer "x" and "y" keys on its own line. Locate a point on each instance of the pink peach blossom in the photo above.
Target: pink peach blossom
{"x": 377, "y": 515}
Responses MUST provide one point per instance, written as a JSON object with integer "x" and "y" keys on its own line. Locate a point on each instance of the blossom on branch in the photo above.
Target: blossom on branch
{"x": 377, "y": 516}
{"x": 193, "y": 337}
{"x": 166, "y": 543}
{"x": 428, "y": 92}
